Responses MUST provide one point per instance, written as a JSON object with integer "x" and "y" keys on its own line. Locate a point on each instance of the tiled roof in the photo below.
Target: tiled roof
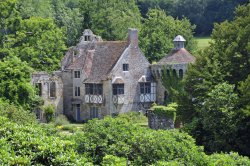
{"x": 105, "y": 56}
{"x": 97, "y": 59}
{"x": 177, "y": 56}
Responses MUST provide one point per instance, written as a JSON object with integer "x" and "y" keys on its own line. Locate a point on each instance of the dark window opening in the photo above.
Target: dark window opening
{"x": 39, "y": 89}
{"x": 125, "y": 67}
{"x": 93, "y": 89}
{"x": 168, "y": 73}
{"x": 174, "y": 73}
{"x": 118, "y": 89}
{"x": 181, "y": 73}
{"x": 145, "y": 88}
{"x": 52, "y": 89}
{"x": 86, "y": 38}
{"x": 77, "y": 91}
{"x": 77, "y": 74}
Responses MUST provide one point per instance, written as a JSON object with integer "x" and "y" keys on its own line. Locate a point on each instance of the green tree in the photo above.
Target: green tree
{"x": 39, "y": 42}
{"x": 67, "y": 15}
{"x": 35, "y": 8}
{"x": 218, "y": 116}
{"x": 110, "y": 19}
{"x": 226, "y": 60}
{"x": 10, "y": 19}
{"x": 15, "y": 84}
{"x": 158, "y": 32}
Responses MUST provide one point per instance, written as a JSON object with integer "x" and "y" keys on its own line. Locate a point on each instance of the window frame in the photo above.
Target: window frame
{"x": 39, "y": 88}
{"x": 77, "y": 91}
{"x": 93, "y": 89}
{"x": 145, "y": 88}
{"x": 77, "y": 74}
{"x": 118, "y": 89}
{"x": 52, "y": 93}
{"x": 125, "y": 67}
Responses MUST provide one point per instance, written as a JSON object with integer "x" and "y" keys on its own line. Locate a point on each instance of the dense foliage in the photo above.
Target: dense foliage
{"x": 214, "y": 108}
{"x": 168, "y": 111}
{"x": 116, "y": 141}
{"x": 218, "y": 88}
{"x": 15, "y": 84}
{"x": 158, "y": 32}
{"x": 203, "y": 13}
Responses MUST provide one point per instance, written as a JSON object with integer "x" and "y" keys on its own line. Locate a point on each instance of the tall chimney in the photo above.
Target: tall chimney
{"x": 133, "y": 37}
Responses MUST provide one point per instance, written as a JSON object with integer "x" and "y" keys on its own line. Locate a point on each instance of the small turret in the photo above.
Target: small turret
{"x": 179, "y": 42}
{"x": 87, "y": 35}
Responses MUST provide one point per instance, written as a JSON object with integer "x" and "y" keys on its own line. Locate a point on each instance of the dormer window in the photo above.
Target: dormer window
{"x": 77, "y": 74}
{"x": 125, "y": 67}
{"x": 86, "y": 38}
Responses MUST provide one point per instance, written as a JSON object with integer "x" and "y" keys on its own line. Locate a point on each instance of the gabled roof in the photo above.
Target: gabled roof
{"x": 177, "y": 56}
{"x": 105, "y": 56}
{"x": 87, "y": 32}
{"x": 97, "y": 59}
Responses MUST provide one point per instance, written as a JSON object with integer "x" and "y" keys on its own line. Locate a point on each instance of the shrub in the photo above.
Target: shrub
{"x": 49, "y": 112}
{"x": 68, "y": 128}
{"x": 230, "y": 159}
{"x": 133, "y": 117}
{"x": 16, "y": 114}
{"x": 141, "y": 146}
{"x": 31, "y": 145}
{"x": 61, "y": 120}
{"x": 113, "y": 161}
{"x": 168, "y": 111}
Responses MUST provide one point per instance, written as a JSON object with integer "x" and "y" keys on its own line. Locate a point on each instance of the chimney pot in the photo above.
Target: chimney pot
{"x": 133, "y": 37}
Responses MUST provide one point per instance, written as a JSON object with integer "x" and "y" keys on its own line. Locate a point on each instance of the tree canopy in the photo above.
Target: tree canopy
{"x": 212, "y": 100}
{"x": 158, "y": 32}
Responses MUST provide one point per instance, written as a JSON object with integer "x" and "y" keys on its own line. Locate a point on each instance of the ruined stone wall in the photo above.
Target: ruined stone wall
{"x": 159, "y": 122}
{"x": 67, "y": 92}
{"x": 44, "y": 79}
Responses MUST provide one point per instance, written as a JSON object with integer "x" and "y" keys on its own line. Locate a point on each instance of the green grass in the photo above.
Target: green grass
{"x": 202, "y": 42}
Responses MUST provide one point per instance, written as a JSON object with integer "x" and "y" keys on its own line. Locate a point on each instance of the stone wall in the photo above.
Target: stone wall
{"x": 44, "y": 80}
{"x": 159, "y": 122}
{"x": 158, "y": 71}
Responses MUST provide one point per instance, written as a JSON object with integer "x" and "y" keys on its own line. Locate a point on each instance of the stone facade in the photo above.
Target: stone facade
{"x": 103, "y": 78}
{"x": 99, "y": 78}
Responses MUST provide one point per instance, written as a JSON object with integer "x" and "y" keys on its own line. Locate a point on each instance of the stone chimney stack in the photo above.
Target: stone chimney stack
{"x": 133, "y": 37}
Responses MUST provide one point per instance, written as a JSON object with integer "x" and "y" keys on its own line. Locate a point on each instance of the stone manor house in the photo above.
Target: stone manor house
{"x": 99, "y": 78}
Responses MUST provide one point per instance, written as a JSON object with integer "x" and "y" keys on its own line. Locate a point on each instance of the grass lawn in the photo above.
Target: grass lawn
{"x": 202, "y": 42}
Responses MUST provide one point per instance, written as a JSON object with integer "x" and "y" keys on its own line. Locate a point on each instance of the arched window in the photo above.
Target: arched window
{"x": 181, "y": 73}
{"x": 168, "y": 73}
{"x": 52, "y": 89}
{"x": 174, "y": 73}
